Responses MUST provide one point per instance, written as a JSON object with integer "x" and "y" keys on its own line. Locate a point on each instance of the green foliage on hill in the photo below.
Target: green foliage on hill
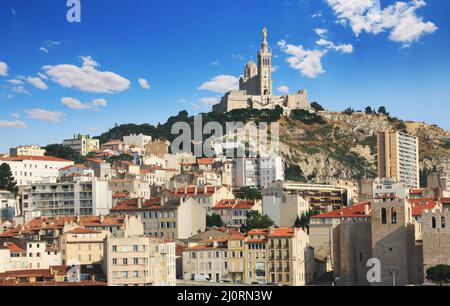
{"x": 257, "y": 221}
{"x": 60, "y": 151}
{"x": 164, "y": 131}
{"x": 248, "y": 193}
{"x": 294, "y": 173}
{"x": 214, "y": 221}
{"x": 307, "y": 117}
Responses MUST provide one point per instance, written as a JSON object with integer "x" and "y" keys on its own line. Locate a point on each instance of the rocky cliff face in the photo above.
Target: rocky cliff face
{"x": 345, "y": 146}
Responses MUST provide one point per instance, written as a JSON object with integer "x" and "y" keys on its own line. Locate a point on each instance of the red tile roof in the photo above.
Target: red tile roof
{"x": 81, "y": 230}
{"x": 38, "y": 158}
{"x": 282, "y": 232}
{"x": 132, "y": 205}
{"x": 205, "y": 161}
{"x": 235, "y": 204}
{"x": 355, "y": 211}
{"x": 14, "y": 248}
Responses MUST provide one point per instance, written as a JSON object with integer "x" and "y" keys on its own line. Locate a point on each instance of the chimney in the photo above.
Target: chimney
{"x": 139, "y": 202}
{"x": 102, "y": 219}
{"x": 366, "y": 209}
{"x": 78, "y": 220}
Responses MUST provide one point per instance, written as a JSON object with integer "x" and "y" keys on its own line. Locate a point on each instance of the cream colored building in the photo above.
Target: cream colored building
{"x": 398, "y": 158}
{"x": 131, "y": 259}
{"x": 82, "y": 144}
{"x": 135, "y": 186}
{"x": 32, "y": 150}
{"x": 284, "y": 209}
{"x": 81, "y": 246}
{"x": 256, "y": 88}
{"x": 180, "y": 218}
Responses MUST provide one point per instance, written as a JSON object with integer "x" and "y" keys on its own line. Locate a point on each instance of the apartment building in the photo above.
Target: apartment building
{"x": 102, "y": 169}
{"x": 134, "y": 186}
{"x": 234, "y": 212}
{"x": 131, "y": 259}
{"x": 386, "y": 187}
{"x": 257, "y": 172}
{"x": 320, "y": 197}
{"x": 207, "y": 196}
{"x": 139, "y": 141}
{"x": 284, "y": 209}
{"x": 8, "y": 205}
{"x": 32, "y": 150}
{"x": 29, "y": 170}
{"x": 82, "y": 144}
{"x": 82, "y": 246}
{"x": 398, "y": 158}
{"x": 20, "y": 254}
{"x": 279, "y": 256}
{"x": 179, "y": 218}
{"x": 73, "y": 196}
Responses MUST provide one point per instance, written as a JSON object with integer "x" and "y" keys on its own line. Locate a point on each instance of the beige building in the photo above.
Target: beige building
{"x": 398, "y": 158}
{"x": 180, "y": 218}
{"x": 256, "y": 88}
{"x": 131, "y": 259}
{"x": 82, "y": 246}
{"x": 134, "y": 186}
{"x": 82, "y": 144}
{"x": 284, "y": 209}
{"x": 234, "y": 212}
{"x": 207, "y": 196}
{"x": 32, "y": 150}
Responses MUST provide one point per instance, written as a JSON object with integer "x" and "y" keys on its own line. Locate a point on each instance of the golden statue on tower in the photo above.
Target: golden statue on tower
{"x": 265, "y": 33}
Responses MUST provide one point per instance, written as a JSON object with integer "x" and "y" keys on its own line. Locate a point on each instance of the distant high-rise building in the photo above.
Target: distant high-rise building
{"x": 398, "y": 158}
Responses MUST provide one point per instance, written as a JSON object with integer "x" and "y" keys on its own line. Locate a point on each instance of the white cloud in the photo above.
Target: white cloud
{"x": 215, "y": 63}
{"x": 47, "y": 45}
{"x": 15, "y": 115}
{"x": 221, "y": 84}
{"x": 283, "y": 89}
{"x": 205, "y": 103}
{"x": 87, "y": 78}
{"x": 3, "y": 69}
{"x": 321, "y": 32}
{"x": 42, "y": 76}
{"x": 13, "y": 124}
{"x": 144, "y": 83}
{"x": 15, "y": 82}
{"x": 399, "y": 19}
{"x": 13, "y": 11}
{"x": 308, "y": 62}
{"x": 45, "y": 115}
{"x": 37, "y": 82}
{"x": 76, "y": 104}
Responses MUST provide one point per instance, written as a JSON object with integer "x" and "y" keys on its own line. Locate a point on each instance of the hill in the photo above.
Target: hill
{"x": 331, "y": 144}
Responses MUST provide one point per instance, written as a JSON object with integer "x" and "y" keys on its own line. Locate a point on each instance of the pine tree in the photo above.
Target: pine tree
{"x": 7, "y": 181}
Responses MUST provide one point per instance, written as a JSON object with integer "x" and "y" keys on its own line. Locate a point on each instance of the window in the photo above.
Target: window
{"x": 383, "y": 216}
{"x": 393, "y": 216}
{"x": 433, "y": 222}
{"x": 114, "y": 248}
{"x": 443, "y": 222}
{"x": 114, "y": 261}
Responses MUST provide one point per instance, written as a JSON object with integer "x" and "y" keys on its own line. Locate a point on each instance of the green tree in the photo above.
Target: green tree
{"x": 256, "y": 220}
{"x": 120, "y": 158}
{"x": 382, "y": 110}
{"x": 349, "y": 111}
{"x": 317, "y": 106}
{"x": 60, "y": 151}
{"x": 7, "y": 181}
{"x": 214, "y": 221}
{"x": 294, "y": 173}
{"x": 369, "y": 110}
{"x": 439, "y": 274}
{"x": 248, "y": 193}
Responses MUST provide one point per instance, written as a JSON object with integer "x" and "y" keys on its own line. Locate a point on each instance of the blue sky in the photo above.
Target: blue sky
{"x": 390, "y": 53}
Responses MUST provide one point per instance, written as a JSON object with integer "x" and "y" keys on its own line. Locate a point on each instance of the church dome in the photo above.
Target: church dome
{"x": 251, "y": 69}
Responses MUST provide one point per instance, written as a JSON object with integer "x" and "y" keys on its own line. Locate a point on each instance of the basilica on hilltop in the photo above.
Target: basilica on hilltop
{"x": 256, "y": 88}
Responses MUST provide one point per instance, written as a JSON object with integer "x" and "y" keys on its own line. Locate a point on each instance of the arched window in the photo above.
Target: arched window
{"x": 383, "y": 216}
{"x": 393, "y": 216}
{"x": 433, "y": 222}
{"x": 443, "y": 222}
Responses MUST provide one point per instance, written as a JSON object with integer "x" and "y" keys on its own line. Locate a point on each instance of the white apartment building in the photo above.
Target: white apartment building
{"x": 29, "y": 170}
{"x": 82, "y": 144}
{"x": 388, "y": 188}
{"x": 8, "y": 205}
{"x": 26, "y": 255}
{"x": 253, "y": 172}
{"x": 79, "y": 196}
{"x": 32, "y": 150}
{"x": 139, "y": 141}
{"x": 398, "y": 158}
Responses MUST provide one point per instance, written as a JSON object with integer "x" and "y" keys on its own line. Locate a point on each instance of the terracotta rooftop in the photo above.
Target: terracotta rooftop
{"x": 38, "y": 158}
{"x": 235, "y": 204}
{"x": 355, "y": 211}
{"x": 81, "y": 230}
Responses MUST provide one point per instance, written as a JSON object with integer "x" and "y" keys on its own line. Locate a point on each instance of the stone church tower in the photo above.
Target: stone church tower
{"x": 265, "y": 69}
